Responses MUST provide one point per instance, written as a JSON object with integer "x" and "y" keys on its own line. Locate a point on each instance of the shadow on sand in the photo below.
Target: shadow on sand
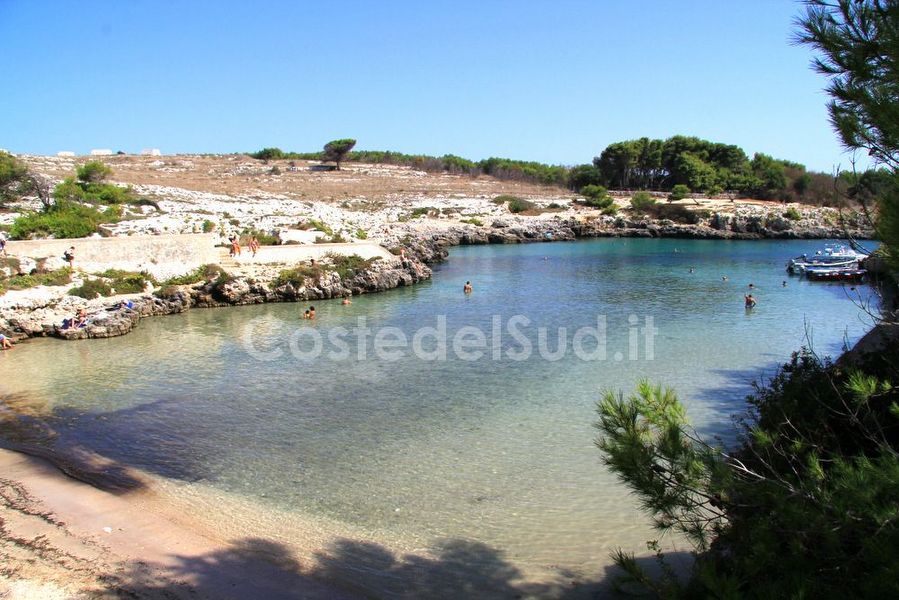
{"x": 257, "y": 568}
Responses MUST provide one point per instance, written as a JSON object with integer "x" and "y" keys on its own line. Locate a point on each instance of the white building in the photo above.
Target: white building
{"x": 65, "y": 154}
{"x": 101, "y": 152}
{"x": 150, "y": 152}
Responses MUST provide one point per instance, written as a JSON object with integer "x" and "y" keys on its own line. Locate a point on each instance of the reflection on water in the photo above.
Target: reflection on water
{"x": 496, "y": 451}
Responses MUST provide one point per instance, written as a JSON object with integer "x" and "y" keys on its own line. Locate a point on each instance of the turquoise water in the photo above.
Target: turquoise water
{"x": 417, "y": 451}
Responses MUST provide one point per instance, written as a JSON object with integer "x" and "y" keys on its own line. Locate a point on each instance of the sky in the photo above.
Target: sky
{"x": 551, "y": 81}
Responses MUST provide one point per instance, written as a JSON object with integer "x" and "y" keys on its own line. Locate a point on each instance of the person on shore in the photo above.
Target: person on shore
{"x": 2, "y": 244}
{"x": 749, "y": 301}
{"x": 80, "y": 319}
{"x": 236, "y": 246}
{"x": 467, "y": 289}
{"x": 312, "y": 312}
{"x": 311, "y": 262}
{"x": 5, "y": 343}
{"x": 254, "y": 245}
{"x": 69, "y": 257}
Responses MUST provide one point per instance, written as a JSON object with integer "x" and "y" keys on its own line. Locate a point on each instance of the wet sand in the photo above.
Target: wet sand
{"x": 61, "y": 538}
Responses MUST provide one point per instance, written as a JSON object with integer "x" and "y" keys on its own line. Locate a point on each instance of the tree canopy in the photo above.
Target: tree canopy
{"x": 16, "y": 181}
{"x": 700, "y": 165}
{"x": 857, "y": 44}
{"x": 12, "y": 177}
{"x": 93, "y": 172}
{"x": 336, "y": 150}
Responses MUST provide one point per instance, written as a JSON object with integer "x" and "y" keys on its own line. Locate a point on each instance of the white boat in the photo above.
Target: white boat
{"x": 833, "y": 273}
{"x": 831, "y": 256}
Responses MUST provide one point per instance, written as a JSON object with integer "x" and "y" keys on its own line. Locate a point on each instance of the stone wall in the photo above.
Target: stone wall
{"x": 163, "y": 256}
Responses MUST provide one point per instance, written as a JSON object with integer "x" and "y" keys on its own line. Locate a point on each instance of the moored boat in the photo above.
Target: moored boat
{"x": 837, "y": 256}
{"x": 834, "y": 273}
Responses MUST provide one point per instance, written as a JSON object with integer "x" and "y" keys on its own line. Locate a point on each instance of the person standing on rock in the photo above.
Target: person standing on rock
{"x": 69, "y": 257}
{"x": 2, "y": 244}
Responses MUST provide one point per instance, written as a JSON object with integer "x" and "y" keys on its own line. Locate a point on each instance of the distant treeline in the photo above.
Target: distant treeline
{"x": 501, "y": 168}
{"x": 644, "y": 164}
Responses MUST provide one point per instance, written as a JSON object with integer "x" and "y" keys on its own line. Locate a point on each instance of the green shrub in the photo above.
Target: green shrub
{"x": 209, "y": 272}
{"x": 92, "y": 288}
{"x": 127, "y": 282}
{"x": 269, "y": 154}
{"x": 677, "y": 213}
{"x": 610, "y": 210}
{"x": 505, "y": 198}
{"x": 63, "y": 220}
{"x": 319, "y": 225}
{"x": 22, "y": 282}
{"x": 473, "y": 221}
{"x": 166, "y": 291}
{"x": 596, "y": 196}
{"x": 678, "y": 192}
{"x": 298, "y": 275}
{"x": 421, "y": 211}
{"x": 264, "y": 239}
{"x": 208, "y": 226}
{"x": 641, "y": 202}
{"x": 93, "y": 172}
{"x": 348, "y": 266}
{"x": 71, "y": 190}
{"x": 361, "y": 234}
{"x": 792, "y": 214}
{"x": 555, "y": 205}
{"x": 519, "y": 205}
{"x": 803, "y": 505}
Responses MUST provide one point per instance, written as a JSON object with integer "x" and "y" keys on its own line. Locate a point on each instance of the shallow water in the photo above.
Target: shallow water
{"x": 417, "y": 451}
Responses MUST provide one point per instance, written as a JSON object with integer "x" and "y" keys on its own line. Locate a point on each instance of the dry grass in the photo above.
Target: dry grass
{"x": 240, "y": 175}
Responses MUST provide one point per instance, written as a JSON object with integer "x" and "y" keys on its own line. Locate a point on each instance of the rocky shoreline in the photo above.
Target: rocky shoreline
{"x": 423, "y": 243}
{"x": 108, "y": 318}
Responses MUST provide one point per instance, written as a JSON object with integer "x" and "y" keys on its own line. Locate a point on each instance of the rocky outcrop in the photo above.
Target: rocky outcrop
{"x": 746, "y": 223}
{"x": 40, "y": 317}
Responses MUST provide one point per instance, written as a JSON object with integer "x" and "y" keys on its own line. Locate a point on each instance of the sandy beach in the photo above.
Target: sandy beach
{"x": 61, "y": 538}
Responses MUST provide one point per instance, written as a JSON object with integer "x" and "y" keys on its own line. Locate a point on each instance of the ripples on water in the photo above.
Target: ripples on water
{"x": 495, "y": 451}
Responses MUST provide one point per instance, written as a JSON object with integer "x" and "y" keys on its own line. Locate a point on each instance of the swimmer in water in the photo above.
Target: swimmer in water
{"x": 467, "y": 288}
{"x": 750, "y": 301}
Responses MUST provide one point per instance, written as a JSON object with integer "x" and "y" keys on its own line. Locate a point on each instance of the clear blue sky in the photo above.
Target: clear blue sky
{"x": 553, "y": 81}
